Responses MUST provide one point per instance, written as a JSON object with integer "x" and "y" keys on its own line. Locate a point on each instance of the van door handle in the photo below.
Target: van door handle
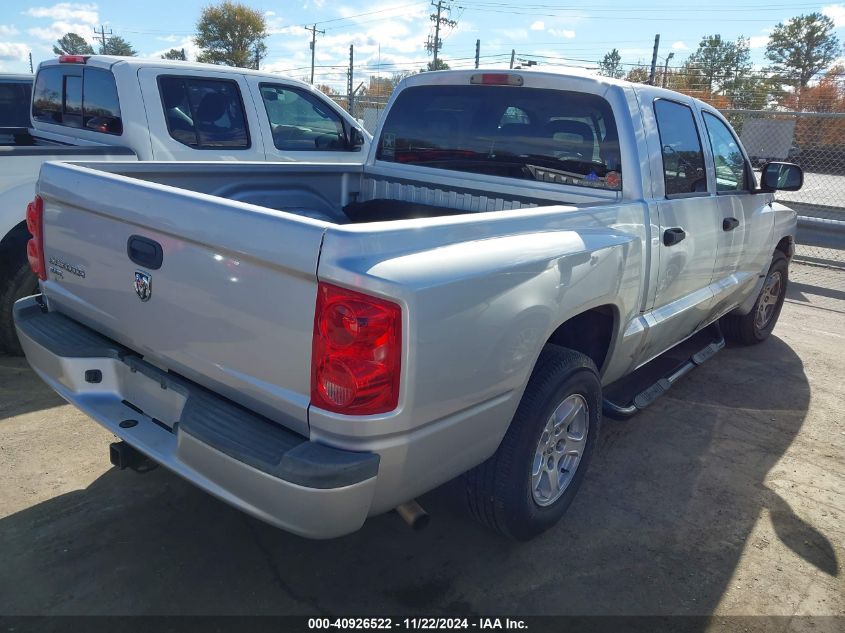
{"x": 729, "y": 224}
{"x": 145, "y": 252}
{"x": 673, "y": 236}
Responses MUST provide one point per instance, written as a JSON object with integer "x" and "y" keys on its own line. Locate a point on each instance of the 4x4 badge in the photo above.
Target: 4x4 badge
{"x": 143, "y": 285}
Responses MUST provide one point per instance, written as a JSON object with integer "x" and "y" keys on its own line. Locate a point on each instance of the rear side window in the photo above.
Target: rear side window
{"x": 683, "y": 159}
{"x": 204, "y": 113}
{"x": 77, "y": 97}
{"x": 300, "y": 121}
{"x": 14, "y": 103}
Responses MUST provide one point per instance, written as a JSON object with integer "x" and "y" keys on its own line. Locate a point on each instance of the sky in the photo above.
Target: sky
{"x": 390, "y": 35}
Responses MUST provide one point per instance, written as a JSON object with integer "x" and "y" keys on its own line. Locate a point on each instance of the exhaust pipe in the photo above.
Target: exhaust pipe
{"x": 124, "y": 456}
{"x": 413, "y": 514}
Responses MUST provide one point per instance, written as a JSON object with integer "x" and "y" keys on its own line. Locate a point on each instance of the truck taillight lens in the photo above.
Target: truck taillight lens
{"x": 35, "y": 246}
{"x": 356, "y": 352}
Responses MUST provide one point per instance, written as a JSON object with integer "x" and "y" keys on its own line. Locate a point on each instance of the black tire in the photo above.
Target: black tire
{"x": 16, "y": 281}
{"x": 745, "y": 329}
{"x": 499, "y": 491}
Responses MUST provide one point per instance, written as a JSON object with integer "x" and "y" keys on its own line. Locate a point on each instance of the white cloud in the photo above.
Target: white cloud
{"x": 7, "y": 30}
{"x": 191, "y": 49}
{"x": 539, "y": 25}
{"x": 835, "y": 12}
{"x": 14, "y": 51}
{"x": 58, "y": 29}
{"x": 85, "y": 13}
{"x": 565, "y": 33}
{"x": 758, "y": 41}
{"x": 679, "y": 46}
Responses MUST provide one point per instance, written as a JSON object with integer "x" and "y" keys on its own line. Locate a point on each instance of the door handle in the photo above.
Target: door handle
{"x": 673, "y": 236}
{"x": 729, "y": 224}
{"x": 144, "y": 252}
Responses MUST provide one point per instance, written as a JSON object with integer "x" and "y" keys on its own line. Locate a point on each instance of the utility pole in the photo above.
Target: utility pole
{"x": 256, "y": 56}
{"x": 477, "y": 51}
{"x": 434, "y": 45}
{"x": 654, "y": 60}
{"x": 102, "y": 35}
{"x": 666, "y": 68}
{"x": 349, "y": 91}
{"x": 314, "y": 32}
{"x": 30, "y": 62}
{"x": 513, "y": 56}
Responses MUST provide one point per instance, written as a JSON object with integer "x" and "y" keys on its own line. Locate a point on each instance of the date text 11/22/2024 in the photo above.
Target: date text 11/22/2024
{"x": 420, "y": 623}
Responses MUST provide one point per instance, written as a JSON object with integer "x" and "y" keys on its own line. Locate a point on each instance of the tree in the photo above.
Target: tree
{"x": 231, "y": 34}
{"x": 72, "y": 44}
{"x": 325, "y": 89}
{"x": 801, "y": 48}
{"x": 611, "y": 65}
{"x": 441, "y": 65}
{"x": 175, "y": 53}
{"x": 716, "y": 61}
{"x": 637, "y": 74}
{"x": 116, "y": 45}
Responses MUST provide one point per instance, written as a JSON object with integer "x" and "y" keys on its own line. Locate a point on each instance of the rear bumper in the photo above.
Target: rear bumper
{"x": 236, "y": 455}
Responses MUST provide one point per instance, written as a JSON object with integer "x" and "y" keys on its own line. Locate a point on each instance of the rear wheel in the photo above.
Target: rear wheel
{"x": 757, "y": 325}
{"x": 16, "y": 281}
{"x": 527, "y": 485}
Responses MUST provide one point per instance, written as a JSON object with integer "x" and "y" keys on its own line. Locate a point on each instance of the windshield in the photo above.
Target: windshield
{"x": 555, "y": 136}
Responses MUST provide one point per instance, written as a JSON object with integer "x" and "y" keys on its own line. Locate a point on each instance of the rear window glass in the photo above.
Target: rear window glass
{"x": 77, "y": 97}
{"x": 204, "y": 113}
{"x": 14, "y": 103}
{"x": 555, "y": 136}
{"x": 683, "y": 160}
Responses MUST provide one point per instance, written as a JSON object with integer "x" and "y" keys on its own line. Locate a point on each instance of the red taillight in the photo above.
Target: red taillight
{"x": 73, "y": 59}
{"x": 496, "y": 79}
{"x": 35, "y": 246}
{"x": 356, "y": 352}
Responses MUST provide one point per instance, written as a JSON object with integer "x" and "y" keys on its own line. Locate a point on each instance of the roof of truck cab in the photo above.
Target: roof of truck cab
{"x": 16, "y": 77}
{"x": 112, "y": 61}
{"x": 552, "y": 74}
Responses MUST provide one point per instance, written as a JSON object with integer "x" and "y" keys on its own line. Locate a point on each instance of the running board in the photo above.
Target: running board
{"x": 652, "y": 393}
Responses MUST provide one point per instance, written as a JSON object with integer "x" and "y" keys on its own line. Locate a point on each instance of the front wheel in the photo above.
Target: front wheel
{"x": 527, "y": 485}
{"x": 757, "y": 325}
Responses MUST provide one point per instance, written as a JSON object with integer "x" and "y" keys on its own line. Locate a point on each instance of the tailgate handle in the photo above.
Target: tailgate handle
{"x": 145, "y": 252}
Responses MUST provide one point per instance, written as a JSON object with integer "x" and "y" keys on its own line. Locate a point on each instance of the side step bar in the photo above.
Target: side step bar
{"x": 652, "y": 393}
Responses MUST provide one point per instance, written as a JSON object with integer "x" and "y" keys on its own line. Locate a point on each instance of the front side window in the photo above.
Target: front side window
{"x": 77, "y": 97}
{"x": 727, "y": 156}
{"x": 300, "y": 121}
{"x": 554, "y": 136}
{"x": 204, "y": 113}
{"x": 683, "y": 159}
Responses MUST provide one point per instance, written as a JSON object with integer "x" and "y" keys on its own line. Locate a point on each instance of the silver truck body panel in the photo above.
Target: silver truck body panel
{"x": 481, "y": 292}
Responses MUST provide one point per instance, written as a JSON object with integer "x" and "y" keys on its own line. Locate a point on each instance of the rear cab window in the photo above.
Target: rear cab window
{"x": 554, "y": 136}
{"x": 15, "y": 97}
{"x": 680, "y": 145}
{"x": 79, "y": 97}
{"x": 204, "y": 113}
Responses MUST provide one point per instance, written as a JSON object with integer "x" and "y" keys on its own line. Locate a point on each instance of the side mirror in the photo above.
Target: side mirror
{"x": 356, "y": 138}
{"x": 781, "y": 177}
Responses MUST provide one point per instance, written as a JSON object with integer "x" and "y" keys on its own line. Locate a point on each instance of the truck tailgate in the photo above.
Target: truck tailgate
{"x": 231, "y": 305}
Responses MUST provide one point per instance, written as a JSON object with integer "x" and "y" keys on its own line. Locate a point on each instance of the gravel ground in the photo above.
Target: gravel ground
{"x": 726, "y": 497}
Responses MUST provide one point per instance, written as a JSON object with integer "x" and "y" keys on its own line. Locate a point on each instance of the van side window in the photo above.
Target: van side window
{"x": 77, "y": 97}
{"x": 300, "y": 121}
{"x": 731, "y": 174}
{"x": 683, "y": 159}
{"x": 204, "y": 113}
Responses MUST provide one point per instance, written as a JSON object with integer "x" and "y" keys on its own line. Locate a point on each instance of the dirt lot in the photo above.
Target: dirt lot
{"x": 726, "y": 497}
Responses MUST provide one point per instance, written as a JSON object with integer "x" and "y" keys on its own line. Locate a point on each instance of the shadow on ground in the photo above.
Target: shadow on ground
{"x": 658, "y": 528}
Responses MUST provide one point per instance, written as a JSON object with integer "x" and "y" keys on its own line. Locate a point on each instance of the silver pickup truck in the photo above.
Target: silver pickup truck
{"x": 319, "y": 343}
